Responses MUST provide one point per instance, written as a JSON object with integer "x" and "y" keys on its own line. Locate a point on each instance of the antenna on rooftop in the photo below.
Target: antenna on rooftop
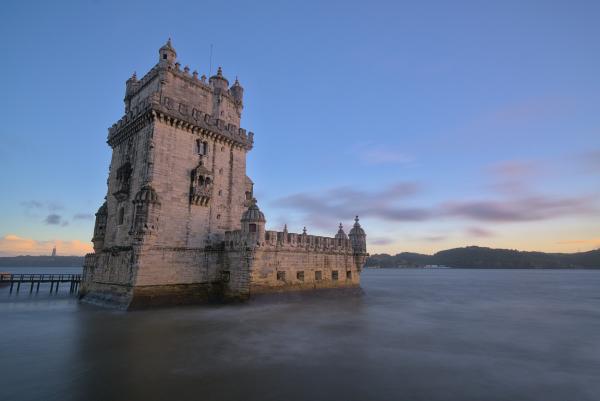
{"x": 210, "y": 61}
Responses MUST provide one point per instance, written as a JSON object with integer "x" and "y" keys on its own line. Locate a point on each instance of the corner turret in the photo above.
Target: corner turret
{"x": 218, "y": 81}
{"x": 237, "y": 91}
{"x": 358, "y": 238}
{"x": 341, "y": 234}
{"x": 100, "y": 228}
{"x": 167, "y": 53}
{"x": 253, "y": 222}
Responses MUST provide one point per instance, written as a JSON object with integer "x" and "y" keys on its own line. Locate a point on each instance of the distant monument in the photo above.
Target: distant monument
{"x": 54, "y": 251}
{"x": 180, "y": 223}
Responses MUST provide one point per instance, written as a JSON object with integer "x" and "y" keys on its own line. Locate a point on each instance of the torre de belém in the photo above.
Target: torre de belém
{"x": 180, "y": 223}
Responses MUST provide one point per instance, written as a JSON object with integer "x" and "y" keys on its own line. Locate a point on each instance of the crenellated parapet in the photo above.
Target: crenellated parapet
{"x": 239, "y": 239}
{"x": 179, "y": 114}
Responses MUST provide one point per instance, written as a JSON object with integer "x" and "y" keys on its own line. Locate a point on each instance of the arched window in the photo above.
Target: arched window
{"x": 252, "y": 227}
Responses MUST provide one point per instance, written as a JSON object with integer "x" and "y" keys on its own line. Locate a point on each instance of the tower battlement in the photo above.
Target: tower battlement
{"x": 180, "y": 223}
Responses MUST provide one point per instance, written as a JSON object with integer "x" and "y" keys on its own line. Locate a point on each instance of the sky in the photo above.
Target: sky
{"x": 440, "y": 123}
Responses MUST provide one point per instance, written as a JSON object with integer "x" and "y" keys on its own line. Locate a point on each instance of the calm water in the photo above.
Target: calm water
{"x": 413, "y": 335}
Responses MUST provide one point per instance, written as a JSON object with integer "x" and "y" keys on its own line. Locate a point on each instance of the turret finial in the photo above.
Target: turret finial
{"x": 304, "y": 230}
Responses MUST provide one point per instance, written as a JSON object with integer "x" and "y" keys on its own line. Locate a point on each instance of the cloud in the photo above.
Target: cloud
{"x": 53, "y": 219}
{"x": 379, "y": 241}
{"x": 33, "y": 208}
{"x": 434, "y": 238}
{"x": 513, "y": 176}
{"x": 479, "y": 232}
{"x": 373, "y": 153}
{"x": 13, "y": 245}
{"x": 325, "y": 210}
{"x": 83, "y": 216}
{"x": 519, "y": 209}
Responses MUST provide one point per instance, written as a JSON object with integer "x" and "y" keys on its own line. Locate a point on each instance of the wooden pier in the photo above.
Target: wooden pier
{"x": 34, "y": 280}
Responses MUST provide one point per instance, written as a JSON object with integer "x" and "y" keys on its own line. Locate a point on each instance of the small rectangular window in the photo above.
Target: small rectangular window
{"x": 334, "y": 275}
{"x": 252, "y": 227}
{"x": 201, "y": 147}
{"x": 300, "y": 276}
{"x": 348, "y": 275}
{"x": 281, "y": 276}
{"x": 318, "y": 275}
{"x": 225, "y": 276}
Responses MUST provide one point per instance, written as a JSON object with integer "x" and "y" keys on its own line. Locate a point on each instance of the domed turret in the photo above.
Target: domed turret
{"x": 100, "y": 227}
{"x": 218, "y": 81}
{"x": 253, "y": 223}
{"x": 358, "y": 238}
{"x": 237, "y": 91}
{"x": 253, "y": 214}
{"x": 341, "y": 234}
{"x": 167, "y": 53}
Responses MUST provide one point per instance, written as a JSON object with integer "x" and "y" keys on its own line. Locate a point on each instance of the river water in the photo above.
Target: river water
{"x": 412, "y": 335}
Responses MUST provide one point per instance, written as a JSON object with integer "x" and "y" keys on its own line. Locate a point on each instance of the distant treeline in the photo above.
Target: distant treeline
{"x": 41, "y": 261}
{"x": 478, "y": 257}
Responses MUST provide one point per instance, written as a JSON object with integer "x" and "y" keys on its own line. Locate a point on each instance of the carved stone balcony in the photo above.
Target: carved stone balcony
{"x": 200, "y": 195}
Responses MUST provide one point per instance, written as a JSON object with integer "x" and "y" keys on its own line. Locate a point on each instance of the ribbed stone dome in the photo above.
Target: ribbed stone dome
{"x": 253, "y": 214}
{"x": 357, "y": 229}
{"x": 147, "y": 195}
{"x": 341, "y": 234}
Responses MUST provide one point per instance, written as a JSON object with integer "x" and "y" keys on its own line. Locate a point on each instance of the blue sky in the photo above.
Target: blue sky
{"x": 441, "y": 123}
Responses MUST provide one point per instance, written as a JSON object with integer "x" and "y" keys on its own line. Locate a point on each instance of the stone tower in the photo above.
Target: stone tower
{"x": 180, "y": 223}
{"x": 178, "y": 152}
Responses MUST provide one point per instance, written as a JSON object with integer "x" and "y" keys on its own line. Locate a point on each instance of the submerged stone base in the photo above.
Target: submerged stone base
{"x": 140, "y": 297}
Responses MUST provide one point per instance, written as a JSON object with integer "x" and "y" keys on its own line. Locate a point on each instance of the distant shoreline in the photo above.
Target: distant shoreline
{"x": 41, "y": 261}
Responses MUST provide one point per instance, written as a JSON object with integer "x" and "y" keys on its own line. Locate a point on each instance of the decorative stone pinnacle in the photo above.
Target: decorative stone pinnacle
{"x": 195, "y": 74}
{"x": 186, "y": 69}
{"x": 219, "y": 72}
{"x": 304, "y": 230}
{"x": 341, "y": 226}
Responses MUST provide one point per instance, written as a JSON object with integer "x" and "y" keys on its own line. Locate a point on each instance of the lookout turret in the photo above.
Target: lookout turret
{"x": 341, "y": 234}
{"x": 237, "y": 91}
{"x": 358, "y": 238}
{"x": 253, "y": 221}
{"x": 218, "y": 81}
{"x": 167, "y": 53}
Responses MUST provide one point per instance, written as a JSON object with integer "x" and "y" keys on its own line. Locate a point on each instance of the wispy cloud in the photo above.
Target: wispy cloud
{"x": 371, "y": 153}
{"x": 13, "y": 245}
{"x": 479, "y": 232}
{"x": 55, "y": 220}
{"x": 513, "y": 176}
{"x": 379, "y": 241}
{"x": 326, "y": 209}
{"x": 519, "y": 209}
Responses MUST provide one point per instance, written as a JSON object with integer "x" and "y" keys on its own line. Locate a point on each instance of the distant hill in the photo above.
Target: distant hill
{"x": 479, "y": 257}
{"x": 41, "y": 261}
